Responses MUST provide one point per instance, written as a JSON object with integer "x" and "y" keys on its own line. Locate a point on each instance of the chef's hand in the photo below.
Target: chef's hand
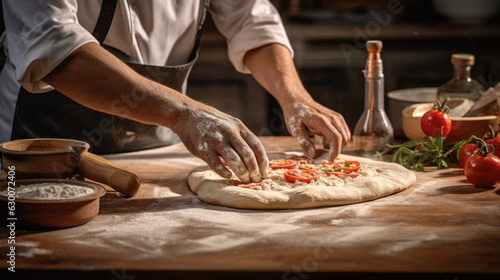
{"x": 272, "y": 66}
{"x": 206, "y": 132}
{"x": 308, "y": 117}
{"x": 211, "y": 135}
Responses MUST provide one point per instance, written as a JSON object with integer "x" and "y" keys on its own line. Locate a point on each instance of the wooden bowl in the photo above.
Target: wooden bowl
{"x": 51, "y": 214}
{"x": 64, "y": 158}
{"x": 42, "y": 157}
{"x": 461, "y": 127}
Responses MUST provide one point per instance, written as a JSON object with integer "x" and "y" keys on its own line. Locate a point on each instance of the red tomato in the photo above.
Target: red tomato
{"x": 249, "y": 186}
{"x": 339, "y": 174}
{"x": 283, "y": 164}
{"x": 305, "y": 176}
{"x": 482, "y": 171}
{"x": 495, "y": 142}
{"x": 308, "y": 166}
{"x": 436, "y": 123}
{"x": 343, "y": 166}
{"x": 465, "y": 152}
{"x": 303, "y": 161}
{"x": 351, "y": 166}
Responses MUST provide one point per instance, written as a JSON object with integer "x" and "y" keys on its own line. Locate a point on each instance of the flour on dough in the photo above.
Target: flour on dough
{"x": 389, "y": 178}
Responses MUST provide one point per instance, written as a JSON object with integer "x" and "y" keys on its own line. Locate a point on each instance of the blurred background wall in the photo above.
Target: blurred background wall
{"x": 328, "y": 39}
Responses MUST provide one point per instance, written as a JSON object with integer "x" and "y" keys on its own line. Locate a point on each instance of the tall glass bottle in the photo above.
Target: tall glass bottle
{"x": 461, "y": 85}
{"x": 373, "y": 130}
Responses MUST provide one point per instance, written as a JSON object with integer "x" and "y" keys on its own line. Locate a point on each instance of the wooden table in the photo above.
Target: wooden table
{"x": 441, "y": 228}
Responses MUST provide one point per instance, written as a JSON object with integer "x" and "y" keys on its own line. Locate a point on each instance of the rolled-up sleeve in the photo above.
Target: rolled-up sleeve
{"x": 40, "y": 34}
{"x": 246, "y": 25}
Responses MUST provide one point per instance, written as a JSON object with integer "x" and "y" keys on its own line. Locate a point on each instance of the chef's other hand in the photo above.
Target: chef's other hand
{"x": 211, "y": 135}
{"x": 311, "y": 118}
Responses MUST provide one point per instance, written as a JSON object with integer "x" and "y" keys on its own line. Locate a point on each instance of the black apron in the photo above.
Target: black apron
{"x": 53, "y": 115}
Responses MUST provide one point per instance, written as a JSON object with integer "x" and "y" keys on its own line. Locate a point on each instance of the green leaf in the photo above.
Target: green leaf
{"x": 396, "y": 157}
{"x": 429, "y": 147}
{"x": 412, "y": 144}
{"x": 429, "y": 156}
{"x": 406, "y": 150}
{"x": 438, "y": 163}
{"x": 439, "y": 143}
{"x": 433, "y": 152}
{"x": 418, "y": 167}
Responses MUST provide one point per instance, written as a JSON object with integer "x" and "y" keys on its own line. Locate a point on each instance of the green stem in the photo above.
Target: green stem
{"x": 483, "y": 148}
{"x": 492, "y": 133}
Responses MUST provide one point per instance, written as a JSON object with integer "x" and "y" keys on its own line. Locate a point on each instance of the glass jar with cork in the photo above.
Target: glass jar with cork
{"x": 461, "y": 85}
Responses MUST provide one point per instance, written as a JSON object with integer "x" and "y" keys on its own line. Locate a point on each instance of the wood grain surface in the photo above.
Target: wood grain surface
{"x": 440, "y": 228}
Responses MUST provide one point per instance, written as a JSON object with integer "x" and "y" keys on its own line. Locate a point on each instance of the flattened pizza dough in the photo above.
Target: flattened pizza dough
{"x": 385, "y": 179}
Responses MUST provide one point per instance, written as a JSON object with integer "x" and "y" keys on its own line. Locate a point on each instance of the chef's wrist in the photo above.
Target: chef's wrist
{"x": 292, "y": 99}
{"x": 180, "y": 113}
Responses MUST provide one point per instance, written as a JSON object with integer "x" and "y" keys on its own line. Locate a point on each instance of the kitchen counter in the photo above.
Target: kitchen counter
{"x": 440, "y": 228}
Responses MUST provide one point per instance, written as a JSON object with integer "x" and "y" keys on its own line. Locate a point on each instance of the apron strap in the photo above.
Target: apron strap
{"x": 197, "y": 42}
{"x": 104, "y": 20}
{"x": 108, "y": 11}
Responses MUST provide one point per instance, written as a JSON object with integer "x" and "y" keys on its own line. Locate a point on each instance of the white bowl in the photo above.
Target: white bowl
{"x": 467, "y": 10}
{"x": 399, "y": 99}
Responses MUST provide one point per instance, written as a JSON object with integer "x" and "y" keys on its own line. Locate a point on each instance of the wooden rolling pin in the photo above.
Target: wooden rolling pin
{"x": 96, "y": 168}
{"x": 99, "y": 169}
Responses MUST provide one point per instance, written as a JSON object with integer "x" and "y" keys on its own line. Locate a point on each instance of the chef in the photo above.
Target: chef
{"x": 113, "y": 73}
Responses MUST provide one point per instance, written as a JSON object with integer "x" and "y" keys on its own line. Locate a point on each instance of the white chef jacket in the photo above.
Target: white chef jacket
{"x": 41, "y": 33}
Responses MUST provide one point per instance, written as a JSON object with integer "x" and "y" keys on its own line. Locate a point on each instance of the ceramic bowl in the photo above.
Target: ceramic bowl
{"x": 398, "y": 100}
{"x": 467, "y": 10}
{"x": 64, "y": 158}
{"x": 41, "y": 157}
{"x": 52, "y": 214}
{"x": 461, "y": 127}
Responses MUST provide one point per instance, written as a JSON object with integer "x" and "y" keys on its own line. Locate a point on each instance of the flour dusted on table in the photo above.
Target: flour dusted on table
{"x": 51, "y": 191}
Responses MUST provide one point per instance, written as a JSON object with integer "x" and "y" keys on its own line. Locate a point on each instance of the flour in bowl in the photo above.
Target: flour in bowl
{"x": 50, "y": 191}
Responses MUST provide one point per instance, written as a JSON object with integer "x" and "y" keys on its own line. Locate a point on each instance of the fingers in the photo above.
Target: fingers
{"x": 215, "y": 163}
{"x": 243, "y": 160}
{"x": 305, "y": 142}
{"x": 335, "y": 149}
{"x": 338, "y": 135}
{"x": 243, "y": 153}
{"x": 261, "y": 160}
{"x": 231, "y": 158}
{"x": 216, "y": 137}
{"x": 331, "y": 125}
{"x": 343, "y": 128}
{"x": 235, "y": 163}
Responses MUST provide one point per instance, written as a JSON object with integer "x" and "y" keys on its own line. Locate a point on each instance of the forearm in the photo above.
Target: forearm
{"x": 272, "y": 66}
{"x": 96, "y": 79}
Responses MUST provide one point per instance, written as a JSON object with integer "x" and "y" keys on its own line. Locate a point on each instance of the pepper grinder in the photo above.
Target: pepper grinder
{"x": 373, "y": 130}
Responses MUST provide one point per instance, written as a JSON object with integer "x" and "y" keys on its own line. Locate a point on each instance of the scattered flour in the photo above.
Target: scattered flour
{"x": 29, "y": 249}
{"x": 32, "y": 252}
{"x": 50, "y": 191}
{"x": 402, "y": 245}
